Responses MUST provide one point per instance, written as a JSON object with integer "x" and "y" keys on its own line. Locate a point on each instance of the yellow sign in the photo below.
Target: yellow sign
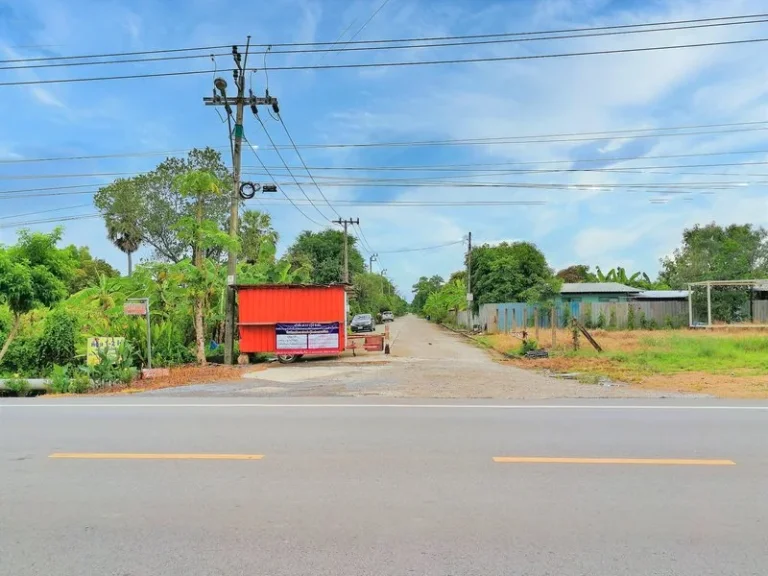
{"x": 109, "y": 344}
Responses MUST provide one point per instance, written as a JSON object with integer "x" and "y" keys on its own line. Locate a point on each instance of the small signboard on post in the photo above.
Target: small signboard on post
{"x": 140, "y": 307}
{"x": 135, "y": 308}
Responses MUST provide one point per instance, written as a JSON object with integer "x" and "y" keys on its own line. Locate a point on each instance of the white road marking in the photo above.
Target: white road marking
{"x": 44, "y": 404}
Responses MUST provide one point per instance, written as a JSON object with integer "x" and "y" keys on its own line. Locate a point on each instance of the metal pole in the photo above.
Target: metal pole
{"x": 346, "y": 255}
{"x": 149, "y": 338}
{"x": 709, "y": 304}
{"x": 690, "y": 306}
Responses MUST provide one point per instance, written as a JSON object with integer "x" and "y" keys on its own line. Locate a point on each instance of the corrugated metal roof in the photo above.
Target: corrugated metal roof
{"x": 662, "y": 294}
{"x": 597, "y": 288}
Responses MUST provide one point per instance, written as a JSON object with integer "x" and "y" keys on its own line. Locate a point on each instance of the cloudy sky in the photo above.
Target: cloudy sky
{"x": 614, "y": 186}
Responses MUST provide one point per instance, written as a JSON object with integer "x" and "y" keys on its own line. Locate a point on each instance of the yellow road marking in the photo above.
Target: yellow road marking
{"x": 133, "y": 456}
{"x": 647, "y": 461}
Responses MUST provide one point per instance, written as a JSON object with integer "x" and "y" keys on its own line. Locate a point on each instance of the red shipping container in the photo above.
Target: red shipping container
{"x": 307, "y": 319}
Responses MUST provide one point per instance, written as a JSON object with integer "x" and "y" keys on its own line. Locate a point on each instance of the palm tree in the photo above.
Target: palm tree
{"x": 124, "y": 234}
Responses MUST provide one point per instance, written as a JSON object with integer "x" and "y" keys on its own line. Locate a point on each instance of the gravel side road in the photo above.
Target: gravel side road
{"x": 427, "y": 361}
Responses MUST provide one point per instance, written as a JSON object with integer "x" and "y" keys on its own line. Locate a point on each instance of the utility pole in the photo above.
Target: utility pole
{"x": 236, "y": 142}
{"x": 346, "y": 223}
{"x": 370, "y": 261}
{"x": 383, "y": 282}
{"x": 469, "y": 281}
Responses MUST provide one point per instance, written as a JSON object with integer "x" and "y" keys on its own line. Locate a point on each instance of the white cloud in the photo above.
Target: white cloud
{"x": 45, "y": 97}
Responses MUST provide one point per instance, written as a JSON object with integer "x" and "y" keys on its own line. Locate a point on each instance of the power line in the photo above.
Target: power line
{"x": 285, "y": 128}
{"x": 112, "y": 62}
{"x": 365, "y": 240}
{"x": 250, "y": 147}
{"x": 289, "y": 169}
{"x": 49, "y": 220}
{"x": 393, "y": 40}
{"x": 626, "y": 132}
{"x": 401, "y": 250}
{"x": 61, "y": 209}
{"x": 372, "y": 16}
{"x": 397, "y": 64}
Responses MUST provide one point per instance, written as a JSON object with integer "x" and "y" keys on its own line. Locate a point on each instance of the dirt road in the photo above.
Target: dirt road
{"x": 427, "y": 361}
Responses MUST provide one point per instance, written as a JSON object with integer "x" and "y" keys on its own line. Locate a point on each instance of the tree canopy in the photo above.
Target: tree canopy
{"x": 715, "y": 252}
{"x": 325, "y": 252}
{"x": 510, "y": 273}
{"x": 422, "y": 289}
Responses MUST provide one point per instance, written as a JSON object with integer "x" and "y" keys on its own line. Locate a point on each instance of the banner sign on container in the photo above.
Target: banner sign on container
{"x": 307, "y": 338}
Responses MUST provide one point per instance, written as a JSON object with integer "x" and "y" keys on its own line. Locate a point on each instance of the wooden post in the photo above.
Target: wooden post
{"x": 506, "y": 320}
{"x": 553, "y": 326}
{"x": 536, "y": 322}
{"x": 525, "y": 319}
{"x": 709, "y": 305}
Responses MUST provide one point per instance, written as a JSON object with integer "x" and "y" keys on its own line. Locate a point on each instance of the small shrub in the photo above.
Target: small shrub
{"x": 566, "y": 317}
{"x": 112, "y": 368}
{"x": 528, "y": 346}
{"x": 79, "y": 384}
{"x": 643, "y": 320}
{"x": 19, "y": 386}
{"x": 612, "y": 322}
{"x": 621, "y": 357}
{"x": 653, "y": 325}
{"x": 59, "y": 380}
{"x": 601, "y": 319}
{"x": 587, "y": 316}
{"x": 631, "y": 318}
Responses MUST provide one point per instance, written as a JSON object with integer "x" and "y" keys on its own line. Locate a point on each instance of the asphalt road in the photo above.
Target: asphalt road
{"x": 380, "y": 488}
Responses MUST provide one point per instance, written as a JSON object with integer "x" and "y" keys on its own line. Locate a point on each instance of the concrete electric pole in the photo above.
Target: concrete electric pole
{"x": 469, "y": 278}
{"x": 236, "y": 142}
{"x": 370, "y": 261}
{"x": 346, "y": 223}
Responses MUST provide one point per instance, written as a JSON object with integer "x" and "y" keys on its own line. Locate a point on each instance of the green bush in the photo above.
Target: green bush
{"x": 586, "y": 315}
{"x": 19, "y": 386}
{"x": 631, "y": 318}
{"x": 566, "y": 316}
{"x": 612, "y": 322}
{"x": 22, "y": 357}
{"x": 643, "y": 320}
{"x": 57, "y": 342}
{"x": 59, "y": 380}
{"x": 601, "y": 319}
{"x": 528, "y": 346}
{"x": 79, "y": 384}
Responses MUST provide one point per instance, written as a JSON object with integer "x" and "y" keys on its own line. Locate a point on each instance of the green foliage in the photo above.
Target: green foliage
{"x": 122, "y": 206}
{"x": 59, "y": 380}
{"x": 18, "y": 386}
{"x": 612, "y": 318}
{"x": 450, "y": 298}
{"x": 631, "y": 317}
{"x": 643, "y": 320}
{"x": 256, "y": 234}
{"x": 526, "y": 346}
{"x": 422, "y": 290}
{"x": 112, "y": 368}
{"x": 325, "y": 253}
{"x": 510, "y": 273}
{"x": 586, "y": 315}
{"x": 601, "y": 319}
{"x": 57, "y": 342}
{"x": 714, "y": 252}
{"x": 152, "y": 201}
{"x": 88, "y": 270}
{"x": 567, "y": 316}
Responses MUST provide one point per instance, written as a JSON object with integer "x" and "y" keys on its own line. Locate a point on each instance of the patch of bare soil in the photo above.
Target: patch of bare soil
{"x": 186, "y": 375}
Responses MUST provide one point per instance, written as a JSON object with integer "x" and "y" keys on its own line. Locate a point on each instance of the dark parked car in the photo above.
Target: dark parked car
{"x": 363, "y": 323}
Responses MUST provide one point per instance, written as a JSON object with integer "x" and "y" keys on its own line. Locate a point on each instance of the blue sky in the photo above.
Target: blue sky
{"x": 608, "y": 225}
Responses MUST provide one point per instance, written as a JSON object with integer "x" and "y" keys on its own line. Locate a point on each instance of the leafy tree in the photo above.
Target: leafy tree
{"x": 122, "y": 206}
{"x": 450, "y": 297}
{"x": 510, "y": 273}
{"x": 33, "y": 273}
{"x": 255, "y": 231}
{"x": 422, "y": 289}
{"x": 325, "y": 252}
{"x": 576, "y": 273}
{"x": 149, "y": 206}
{"x": 374, "y": 294}
{"x": 203, "y": 235}
{"x": 713, "y": 252}
{"x": 88, "y": 270}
